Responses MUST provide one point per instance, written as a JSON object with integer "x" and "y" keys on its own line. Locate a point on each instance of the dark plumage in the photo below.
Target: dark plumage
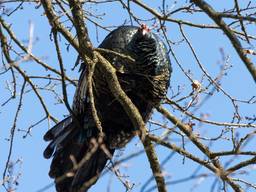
{"x": 145, "y": 81}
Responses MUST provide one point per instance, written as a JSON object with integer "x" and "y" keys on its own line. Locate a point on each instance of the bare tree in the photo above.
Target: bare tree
{"x": 208, "y": 118}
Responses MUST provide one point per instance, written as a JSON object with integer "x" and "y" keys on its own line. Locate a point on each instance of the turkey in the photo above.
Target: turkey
{"x": 145, "y": 80}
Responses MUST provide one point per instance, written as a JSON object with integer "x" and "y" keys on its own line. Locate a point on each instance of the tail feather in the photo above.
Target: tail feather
{"x": 56, "y": 135}
{"x": 69, "y": 141}
{"x": 57, "y": 129}
{"x": 88, "y": 174}
{"x": 54, "y": 144}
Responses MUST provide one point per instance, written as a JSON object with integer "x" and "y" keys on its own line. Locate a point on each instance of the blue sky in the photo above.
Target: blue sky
{"x": 207, "y": 43}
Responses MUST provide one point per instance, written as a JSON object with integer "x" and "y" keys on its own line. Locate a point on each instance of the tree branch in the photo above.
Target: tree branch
{"x": 230, "y": 34}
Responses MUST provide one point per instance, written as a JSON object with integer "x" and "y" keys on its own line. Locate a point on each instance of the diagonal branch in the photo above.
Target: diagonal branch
{"x": 223, "y": 174}
{"x": 230, "y": 34}
{"x": 136, "y": 119}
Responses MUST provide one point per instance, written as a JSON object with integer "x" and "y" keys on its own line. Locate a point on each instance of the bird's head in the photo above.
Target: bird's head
{"x": 144, "y": 29}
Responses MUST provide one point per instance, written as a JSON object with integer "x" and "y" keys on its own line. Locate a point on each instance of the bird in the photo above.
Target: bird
{"x": 145, "y": 79}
